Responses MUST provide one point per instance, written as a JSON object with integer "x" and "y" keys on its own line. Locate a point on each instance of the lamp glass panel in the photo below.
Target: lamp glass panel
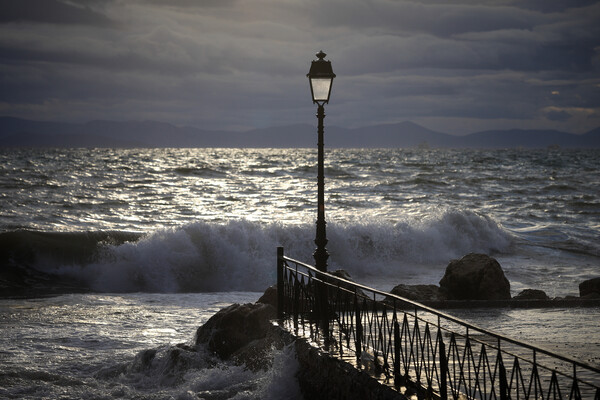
{"x": 320, "y": 87}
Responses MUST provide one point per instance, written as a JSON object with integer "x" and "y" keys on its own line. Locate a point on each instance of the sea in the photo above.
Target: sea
{"x": 108, "y": 253}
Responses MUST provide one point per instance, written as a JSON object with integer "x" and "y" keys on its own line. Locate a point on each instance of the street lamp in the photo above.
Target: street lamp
{"x": 321, "y": 77}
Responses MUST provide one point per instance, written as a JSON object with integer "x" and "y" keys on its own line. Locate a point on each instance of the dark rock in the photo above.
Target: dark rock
{"x": 269, "y": 296}
{"x": 143, "y": 360}
{"x": 234, "y": 327}
{"x": 590, "y": 288}
{"x": 185, "y": 347}
{"x": 475, "y": 277}
{"x": 177, "y": 359}
{"x": 531, "y": 294}
{"x": 419, "y": 292}
{"x": 568, "y": 297}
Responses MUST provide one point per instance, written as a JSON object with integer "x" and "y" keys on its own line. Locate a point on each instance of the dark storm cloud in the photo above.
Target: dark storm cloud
{"x": 236, "y": 64}
{"x": 193, "y": 3}
{"x": 49, "y": 11}
{"x": 553, "y": 6}
{"x": 460, "y": 37}
{"x": 441, "y": 19}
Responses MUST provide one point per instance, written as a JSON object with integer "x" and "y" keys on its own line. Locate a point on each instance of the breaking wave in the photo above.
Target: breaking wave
{"x": 240, "y": 255}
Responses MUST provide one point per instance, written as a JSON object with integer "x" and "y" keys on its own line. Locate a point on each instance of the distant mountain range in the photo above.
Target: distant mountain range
{"x": 16, "y": 132}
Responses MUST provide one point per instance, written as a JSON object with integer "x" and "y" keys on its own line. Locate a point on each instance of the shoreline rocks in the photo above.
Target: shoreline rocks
{"x": 531, "y": 294}
{"x": 477, "y": 280}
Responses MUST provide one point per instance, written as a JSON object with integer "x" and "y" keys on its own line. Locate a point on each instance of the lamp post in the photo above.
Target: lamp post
{"x": 321, "y": 77}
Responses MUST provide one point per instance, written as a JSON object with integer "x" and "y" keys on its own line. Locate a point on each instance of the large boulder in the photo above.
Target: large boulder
{"x": 235, "y": 327}
{"x": 475, "y": 277}
{"x": 590, "y": 288}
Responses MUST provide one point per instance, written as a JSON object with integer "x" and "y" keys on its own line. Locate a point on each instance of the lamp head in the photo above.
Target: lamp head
{"x": 320, "y": 77}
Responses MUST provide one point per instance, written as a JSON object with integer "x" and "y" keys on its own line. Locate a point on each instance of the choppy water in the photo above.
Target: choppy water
{"x": 168, "y": 220}
{"x": 91, "y": 347}
{"x": 165, "y": 222}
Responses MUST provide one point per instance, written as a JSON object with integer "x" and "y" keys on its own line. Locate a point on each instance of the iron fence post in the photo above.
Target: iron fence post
{"x": 324, "y": 308}
{"x": 397, "y": 345}
{"x": 359, "y": 329}
{"x": 443, "y": 368}
{"x": 296, "y": 302}
{"x": 503, "y": 382}
{"x": 280, "y": 288}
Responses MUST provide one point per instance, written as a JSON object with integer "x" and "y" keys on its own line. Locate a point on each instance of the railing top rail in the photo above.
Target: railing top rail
{"x": 445, "y": 316}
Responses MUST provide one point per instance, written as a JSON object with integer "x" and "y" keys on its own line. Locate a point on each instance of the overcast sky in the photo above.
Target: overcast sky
{"x": 453, "y": 66}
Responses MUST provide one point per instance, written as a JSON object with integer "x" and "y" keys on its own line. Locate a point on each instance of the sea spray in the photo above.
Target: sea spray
{"x": 239, "y": 255}
{"x": 381, "y": 247}
{"x": 195, "y": 372}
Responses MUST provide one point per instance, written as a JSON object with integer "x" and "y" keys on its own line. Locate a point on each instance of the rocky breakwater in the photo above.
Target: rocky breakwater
{"x": 478, "y": 280}
{"x": 245, "y": 334}
{"x": 242, "y": 333}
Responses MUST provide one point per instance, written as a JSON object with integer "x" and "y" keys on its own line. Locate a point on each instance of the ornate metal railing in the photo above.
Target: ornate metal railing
{"x": 418, "y": 350}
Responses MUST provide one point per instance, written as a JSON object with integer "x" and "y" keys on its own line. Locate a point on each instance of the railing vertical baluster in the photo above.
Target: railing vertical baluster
{"x": 467, "y": 359}
{"x": 280, "y": 294}
{"x": 340, "y": 312}
{"x": 575, "y": 393}
{"x": 554, "y": 388}
{"x": 535, "y": 379}
{"x": 296, "y": 304}
{"x": 443, "y": 365}
{"x": 359, "y": 329}
{"x": 503, "y": 381}
{"x": 323, "y": 306}
{"x": 397, "y": 347}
